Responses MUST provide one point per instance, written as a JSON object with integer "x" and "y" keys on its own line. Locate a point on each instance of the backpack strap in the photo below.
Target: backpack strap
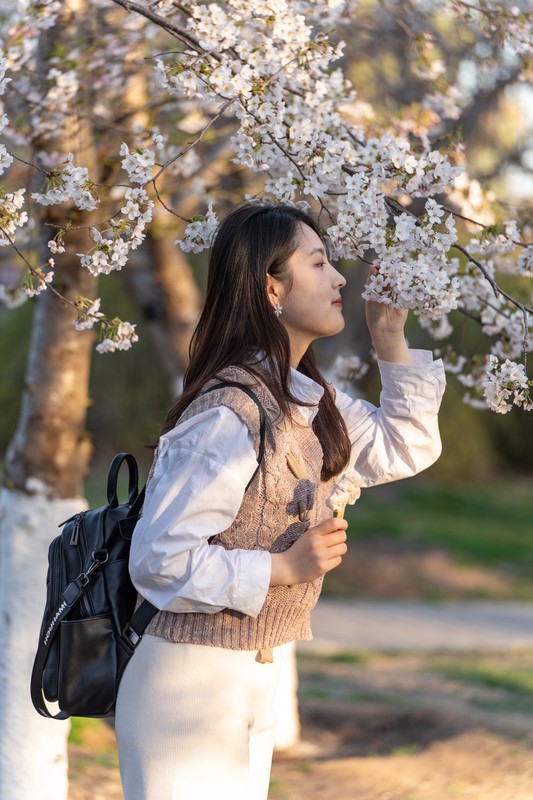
{"x": 262, "y": 419}
{"x": 112, "y": 478}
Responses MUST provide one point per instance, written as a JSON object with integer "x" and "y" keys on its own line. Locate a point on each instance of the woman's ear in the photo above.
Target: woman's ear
{"x": 274, "y": 290}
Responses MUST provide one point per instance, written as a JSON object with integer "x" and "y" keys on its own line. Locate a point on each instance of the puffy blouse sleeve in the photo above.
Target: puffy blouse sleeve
{"x": 400, "y": 437}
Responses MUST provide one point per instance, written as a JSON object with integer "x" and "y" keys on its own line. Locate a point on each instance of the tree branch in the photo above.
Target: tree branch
{"x": 495, "y": 287}
{"x": 161, "y": 22}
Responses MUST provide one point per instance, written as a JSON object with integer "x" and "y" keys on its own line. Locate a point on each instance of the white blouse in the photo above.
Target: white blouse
{"x": 205, "y": 463}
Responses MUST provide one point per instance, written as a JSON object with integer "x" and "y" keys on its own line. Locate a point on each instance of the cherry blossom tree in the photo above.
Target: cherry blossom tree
{"x": 111, "y": 108}
{"x": 265, "y": 66}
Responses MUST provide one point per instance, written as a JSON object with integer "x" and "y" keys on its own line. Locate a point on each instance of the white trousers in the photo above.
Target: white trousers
{"x": 195, "y": 723}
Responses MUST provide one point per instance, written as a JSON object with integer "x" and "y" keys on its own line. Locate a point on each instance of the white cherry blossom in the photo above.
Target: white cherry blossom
{"x": 199, "y": 233}
{"x": 88, "y": 313}
{"x": 69, "y": 183}
{"x": 37, "y": 280}
{"x": 505, "y": 384}
{"x": 11, "y": 216}
{"x": 269, "y": 69}
{"x": 138, "y": 163}
{"x": 118, "y": 335}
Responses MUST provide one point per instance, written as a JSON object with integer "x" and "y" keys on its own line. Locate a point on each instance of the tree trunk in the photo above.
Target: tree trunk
{"x": 50, "y": 444}
{"x": 45, "y": 467}
{"x": 33, "y": 750}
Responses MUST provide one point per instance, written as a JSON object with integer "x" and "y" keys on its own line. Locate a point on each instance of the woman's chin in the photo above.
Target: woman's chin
{"x": 336, "y": 327}
{"x": 340, "y": 325}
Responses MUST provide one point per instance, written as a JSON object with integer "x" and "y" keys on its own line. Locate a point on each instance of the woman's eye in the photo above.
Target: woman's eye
{"x": 321, "y": 264}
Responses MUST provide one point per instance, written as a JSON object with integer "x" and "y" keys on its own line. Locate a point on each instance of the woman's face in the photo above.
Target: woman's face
{"x": 310, "y": 297}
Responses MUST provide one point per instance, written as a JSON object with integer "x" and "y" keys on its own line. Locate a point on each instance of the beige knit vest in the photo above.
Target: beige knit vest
{"x": 271, "y": 517}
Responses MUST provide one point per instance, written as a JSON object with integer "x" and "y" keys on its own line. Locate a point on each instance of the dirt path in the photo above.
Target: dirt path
{"x": 396, "y": 728}
{"x": 471, "y": 766}
{"x": 418, "y": 625}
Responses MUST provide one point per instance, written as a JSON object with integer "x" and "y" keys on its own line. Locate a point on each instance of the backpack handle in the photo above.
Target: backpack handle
{"x": 133, "y": 479}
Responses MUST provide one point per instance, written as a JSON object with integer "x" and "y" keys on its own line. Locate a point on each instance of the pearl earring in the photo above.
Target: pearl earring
{"x": 278, "y": 310}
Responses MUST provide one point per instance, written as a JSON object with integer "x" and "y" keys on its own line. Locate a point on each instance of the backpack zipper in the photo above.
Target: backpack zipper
{"x": 76, "y": 529}
{"x": 86, "y": 600}
{"x": 86, "y": 605}
{"x": 57, "y": 579}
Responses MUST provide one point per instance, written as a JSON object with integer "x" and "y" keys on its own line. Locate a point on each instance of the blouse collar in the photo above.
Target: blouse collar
{"x": 308, "y": 391}
{"x": 304, "y": 389}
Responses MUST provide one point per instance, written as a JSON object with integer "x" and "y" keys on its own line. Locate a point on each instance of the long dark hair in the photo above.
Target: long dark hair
{"x": 238, "y": 320}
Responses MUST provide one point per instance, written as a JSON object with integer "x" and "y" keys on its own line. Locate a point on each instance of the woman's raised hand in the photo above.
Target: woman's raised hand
{"x": 386, "y": 325}
{"x": 317, "y": 551}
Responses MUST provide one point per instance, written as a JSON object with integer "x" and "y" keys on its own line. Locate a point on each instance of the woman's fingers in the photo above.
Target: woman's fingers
{"x": 317, "y": 551}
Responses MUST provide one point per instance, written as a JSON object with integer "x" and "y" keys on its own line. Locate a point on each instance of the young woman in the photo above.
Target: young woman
{"x": 235, "y": 568}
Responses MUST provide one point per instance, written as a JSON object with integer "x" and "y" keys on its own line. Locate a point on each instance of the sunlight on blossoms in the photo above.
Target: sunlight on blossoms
{"x": 199, "y": 233}
{"x": 68, "y": 183}
{"x": 137, "y": 163}
{"x": 505, "y": 384}
{"x": 11, "y": 216}
{"x": 118, "y": 335}
{"x": 267, "y": 83}
{"x": 113, "y": 246}
{"x": 88, "y": 313}
{"x": 37, "y": 281}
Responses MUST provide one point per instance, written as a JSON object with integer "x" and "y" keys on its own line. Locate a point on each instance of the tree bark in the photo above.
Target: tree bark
{"x": 50, "y": 442}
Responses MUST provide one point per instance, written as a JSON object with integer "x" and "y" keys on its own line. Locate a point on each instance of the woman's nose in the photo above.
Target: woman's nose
{"x": 340, "y": 280}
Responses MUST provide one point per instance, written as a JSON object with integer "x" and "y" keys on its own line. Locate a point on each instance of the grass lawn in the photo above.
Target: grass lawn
{"x": 489, "y": 525}
{"x": 487, "y": 680}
